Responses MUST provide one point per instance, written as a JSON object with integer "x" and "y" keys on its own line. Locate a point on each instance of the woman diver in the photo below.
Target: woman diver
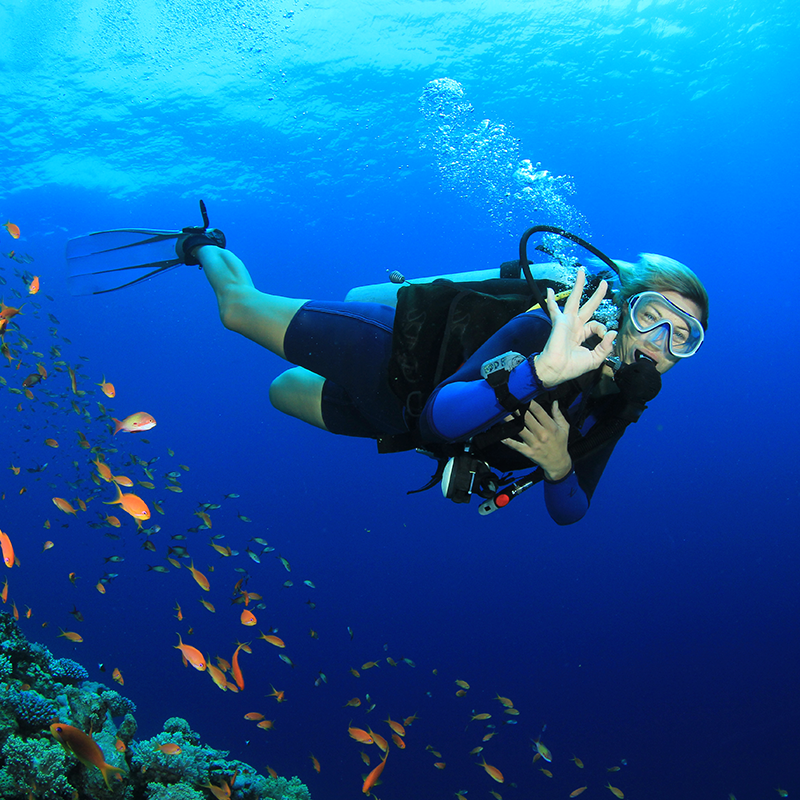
{"x": 468, "y": 373}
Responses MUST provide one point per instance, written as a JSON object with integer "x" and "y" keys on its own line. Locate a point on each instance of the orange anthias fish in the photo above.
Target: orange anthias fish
{"x": 493, "y": 772}
{"x": 217, "y": 675}
{"x": 278, "y": 695}
{"x": 73, "y": 637}
{"x": 12, "y": 229}
{"x": 135, "y": 423}
{"x": 578, "y": 791}
{"x": 170, "y": 749}
{"x": 248, "y": 617}
{"x": 131, "y": 503}
{"x": 33, "y": 286}
{"x": 237, "y": 672}
{"x": 201, "y": 579}
{"x": 103, "y": 470}
{"x": 84, "y": 748}
{"x": 64, "y": 505}
{"x": 223, "y": 790}
{"x": 8, "y": 550}
{"x": 192, "y": 655}
{"x": 372, "y": 778}
{"x": 117, "y": 676}
{"x": 255, "y": 716}
{"x": 360, "y": 735}
{"x": 276, "y": 640}
{"x": 314, "y": 761}
{"x": 108, "y": 390}
{"x": 395, "y": 726}
{"x": 616, "y": 792}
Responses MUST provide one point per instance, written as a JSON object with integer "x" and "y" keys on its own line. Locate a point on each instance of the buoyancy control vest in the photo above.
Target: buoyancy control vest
{"x": 460, "y": 318}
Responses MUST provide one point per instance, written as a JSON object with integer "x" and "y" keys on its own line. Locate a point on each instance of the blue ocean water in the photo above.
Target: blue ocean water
{"x": 659, "y": 634}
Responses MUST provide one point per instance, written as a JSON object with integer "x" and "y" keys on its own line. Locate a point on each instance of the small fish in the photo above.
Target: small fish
{"x": 117, "y": 676}
{"x": 248, "y": 618}
{"x": 266, "y": 724}
{"x": 33, "y": 286}
{"x": 354, "y": 702}
{"x": 439, "y": 764}
{"x": 616, "y": 792}
{"x": 130, "y": 503}
{"x": 170, "y": 748}
{"x": 108, "y": 389}
{"x": 543, "y": 751}
{"x": 70, "y": 635}
{"x": 315, "y": 763}
{"x": 493, "y": 772}
{"x": 360, "y": 735}
{"x": 274, "y": 640}
{"x": 462, "y": 684}
{"x": 581, "y": 790}
{"x": 578, "y": 762}
{"x": 373, "y": 776}
{"x": 286, "y": 660}
{"x": 12, "y": 229}
{"x": 135, "y": 423}
{"x": 7, "y": 550}
{"x": 278, "y": 695}
{"x": 191, "y": 655}
{"x": 64, "y": 505}
{"x": 254, "y": 715}
{"x": 76, "y": 742}
{"x": 546, "y": 772}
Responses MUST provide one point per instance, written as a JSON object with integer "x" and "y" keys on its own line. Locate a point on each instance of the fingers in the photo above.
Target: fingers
{"x": 537, "y": 418}
{"x": 574, "y": 300}
{"x": 552, "y": 307}
{"x": 590, "y": 306}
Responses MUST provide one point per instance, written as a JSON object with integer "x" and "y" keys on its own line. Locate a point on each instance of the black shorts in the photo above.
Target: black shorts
{"x": 348, "y": 344}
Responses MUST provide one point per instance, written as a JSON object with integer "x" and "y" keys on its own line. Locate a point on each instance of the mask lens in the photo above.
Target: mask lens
{"x": 651, "y": 311}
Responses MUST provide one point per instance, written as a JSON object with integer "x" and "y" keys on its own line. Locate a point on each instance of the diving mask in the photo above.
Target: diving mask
{"x": 667, "y": 326}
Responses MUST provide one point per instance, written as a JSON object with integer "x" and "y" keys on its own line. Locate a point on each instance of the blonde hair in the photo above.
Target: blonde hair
{"x": 656, "y": 273}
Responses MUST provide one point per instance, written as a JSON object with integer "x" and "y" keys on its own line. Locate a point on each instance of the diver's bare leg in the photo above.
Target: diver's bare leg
{"x": 298, "y": 393}
{"x": 261, "y": 317}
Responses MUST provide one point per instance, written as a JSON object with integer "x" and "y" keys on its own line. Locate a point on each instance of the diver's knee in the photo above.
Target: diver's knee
{"x": 280, "y": 392}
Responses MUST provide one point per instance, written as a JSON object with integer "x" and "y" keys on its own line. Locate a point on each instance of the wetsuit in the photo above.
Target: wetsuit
{"x": 350, "y": 345}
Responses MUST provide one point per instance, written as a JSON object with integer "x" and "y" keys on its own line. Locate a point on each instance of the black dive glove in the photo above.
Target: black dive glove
{"x": 196, "y": 236}
{"x": 638, "y": 384}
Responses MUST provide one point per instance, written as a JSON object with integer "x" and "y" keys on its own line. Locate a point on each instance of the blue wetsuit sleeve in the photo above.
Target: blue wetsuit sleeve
{"x": 565, "y": 500}
{"x": 465, "y": 404}
{"x": 462, "y": 409}
{"x": 568, "y": 500}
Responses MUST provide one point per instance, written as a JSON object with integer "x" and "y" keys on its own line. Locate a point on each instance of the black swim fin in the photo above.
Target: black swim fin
{"x": 107, "y": 260}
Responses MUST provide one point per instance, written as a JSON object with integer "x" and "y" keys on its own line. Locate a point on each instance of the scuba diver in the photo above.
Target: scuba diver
{"x": 483, "y": 376}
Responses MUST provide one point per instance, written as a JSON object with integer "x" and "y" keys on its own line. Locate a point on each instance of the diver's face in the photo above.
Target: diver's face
{"x": 654, "y": 343}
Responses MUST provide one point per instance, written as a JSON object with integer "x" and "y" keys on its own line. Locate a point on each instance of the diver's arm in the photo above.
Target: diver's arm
{"x": 568, "y": 499}
{"x": 465, "y": 403}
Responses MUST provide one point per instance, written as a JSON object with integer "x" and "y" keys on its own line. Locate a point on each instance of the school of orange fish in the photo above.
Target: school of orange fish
{"x": 27, "y": 375}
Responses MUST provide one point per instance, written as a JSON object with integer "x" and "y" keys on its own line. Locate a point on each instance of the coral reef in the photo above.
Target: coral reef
{"x": 36, "y": 688}
{"x": 65, "y": 670}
